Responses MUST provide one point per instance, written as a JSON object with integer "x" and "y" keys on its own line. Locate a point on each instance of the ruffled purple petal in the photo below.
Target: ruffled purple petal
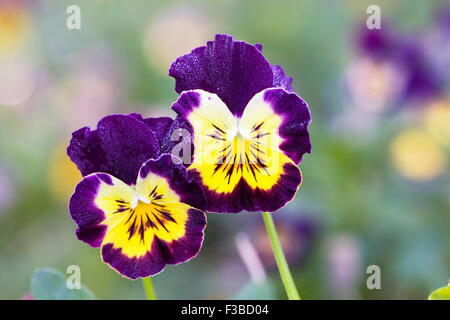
{"x": 280, "y": 79}
{"x": 234, "y": 70}
{"x": 170, "y": 133}
{"x": 161, "y": 126}
{"x": 119, "y": 146}
{"x": 134, "y": 268}
{"x": 296, "y": 117}
{"x": 85, "y": 212}
{"x": 178, "y": 140}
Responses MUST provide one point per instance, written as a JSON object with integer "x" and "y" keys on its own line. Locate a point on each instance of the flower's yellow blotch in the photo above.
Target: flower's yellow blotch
{"x": 135, "y": 215}
{"x": 229, "y": 149}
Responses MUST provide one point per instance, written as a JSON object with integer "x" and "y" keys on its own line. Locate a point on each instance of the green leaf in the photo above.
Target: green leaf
{"x": 256, "y": 291}
{"x": 50, "y": 284}
{"x": 441, "y": 294}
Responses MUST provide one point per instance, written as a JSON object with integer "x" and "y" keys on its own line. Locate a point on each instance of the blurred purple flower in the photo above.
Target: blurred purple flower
{"x": 438, "y": 43}
{"x": 378, "y": 44}
{"x": 407, "y": 53}
{"x": 443, "y": 18}
{"x": 344, "y": 266}
{"x": 422, "y": 80}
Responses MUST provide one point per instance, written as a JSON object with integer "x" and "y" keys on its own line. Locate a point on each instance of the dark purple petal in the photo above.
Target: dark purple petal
{"x": 84, "y": 150}
{"x": 178, "y": 136}
{"x": 119, "y": 146}
{"x": 174, "y": 172}
{"x": 280, "y": 79}
{"x": 169, "y": 132}
{"x": 84, "y": 211}
{"x": 296, "y": 118}
{"x": 150, "y": 264}
{"x": 160, "y": 127}
{"x": 234, "y": 70}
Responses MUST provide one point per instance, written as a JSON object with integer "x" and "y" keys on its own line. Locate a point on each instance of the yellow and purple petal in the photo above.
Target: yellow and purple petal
{"x": 141, "y": 228}
{"x": 247, "y": 162}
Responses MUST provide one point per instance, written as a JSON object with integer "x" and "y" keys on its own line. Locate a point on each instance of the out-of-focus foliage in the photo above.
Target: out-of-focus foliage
{"x": 50, "y": 284}
{"x": 376, "y": 186}
{"x": 256, "y": 291}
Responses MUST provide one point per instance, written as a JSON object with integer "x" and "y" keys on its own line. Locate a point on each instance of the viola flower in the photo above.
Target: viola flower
{"x": 406, "y": 56}
{"x": 143, "y": 212}
{"x": 249, "y": 129}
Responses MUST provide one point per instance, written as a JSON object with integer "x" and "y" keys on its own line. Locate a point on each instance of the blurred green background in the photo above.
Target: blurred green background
{"x": 376, "y": 187}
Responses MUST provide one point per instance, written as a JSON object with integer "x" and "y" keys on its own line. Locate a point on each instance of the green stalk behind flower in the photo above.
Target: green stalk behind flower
{"x": 283, "y": 267}
{"x": 148, "y": 287}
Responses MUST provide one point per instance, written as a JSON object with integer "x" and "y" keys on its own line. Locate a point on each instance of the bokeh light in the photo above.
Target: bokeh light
{"x": 173, "y": 33}
{"x": 417, "y": 156}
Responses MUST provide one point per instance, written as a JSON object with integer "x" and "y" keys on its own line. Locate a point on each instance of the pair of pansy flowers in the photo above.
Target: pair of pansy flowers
{"x": 143, "y": 206}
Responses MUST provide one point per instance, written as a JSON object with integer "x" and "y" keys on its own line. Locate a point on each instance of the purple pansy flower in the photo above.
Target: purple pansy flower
{"x": 407, "y": 54}
{"x": 134, "y": 202}
{"x": 249, "y": 129}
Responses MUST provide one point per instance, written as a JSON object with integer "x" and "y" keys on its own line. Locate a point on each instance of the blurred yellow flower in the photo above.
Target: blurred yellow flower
{"x": 437, "y": 121}
{"x": 174, "y": 33}
{"x": 417, "y": 156}
{"x": 14, "y": 26}
{"x": 63, "y": 174}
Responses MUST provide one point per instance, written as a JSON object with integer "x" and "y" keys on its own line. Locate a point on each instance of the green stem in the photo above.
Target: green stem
{"x": 148, "y": 287}
{"x": 283, "y": 267}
